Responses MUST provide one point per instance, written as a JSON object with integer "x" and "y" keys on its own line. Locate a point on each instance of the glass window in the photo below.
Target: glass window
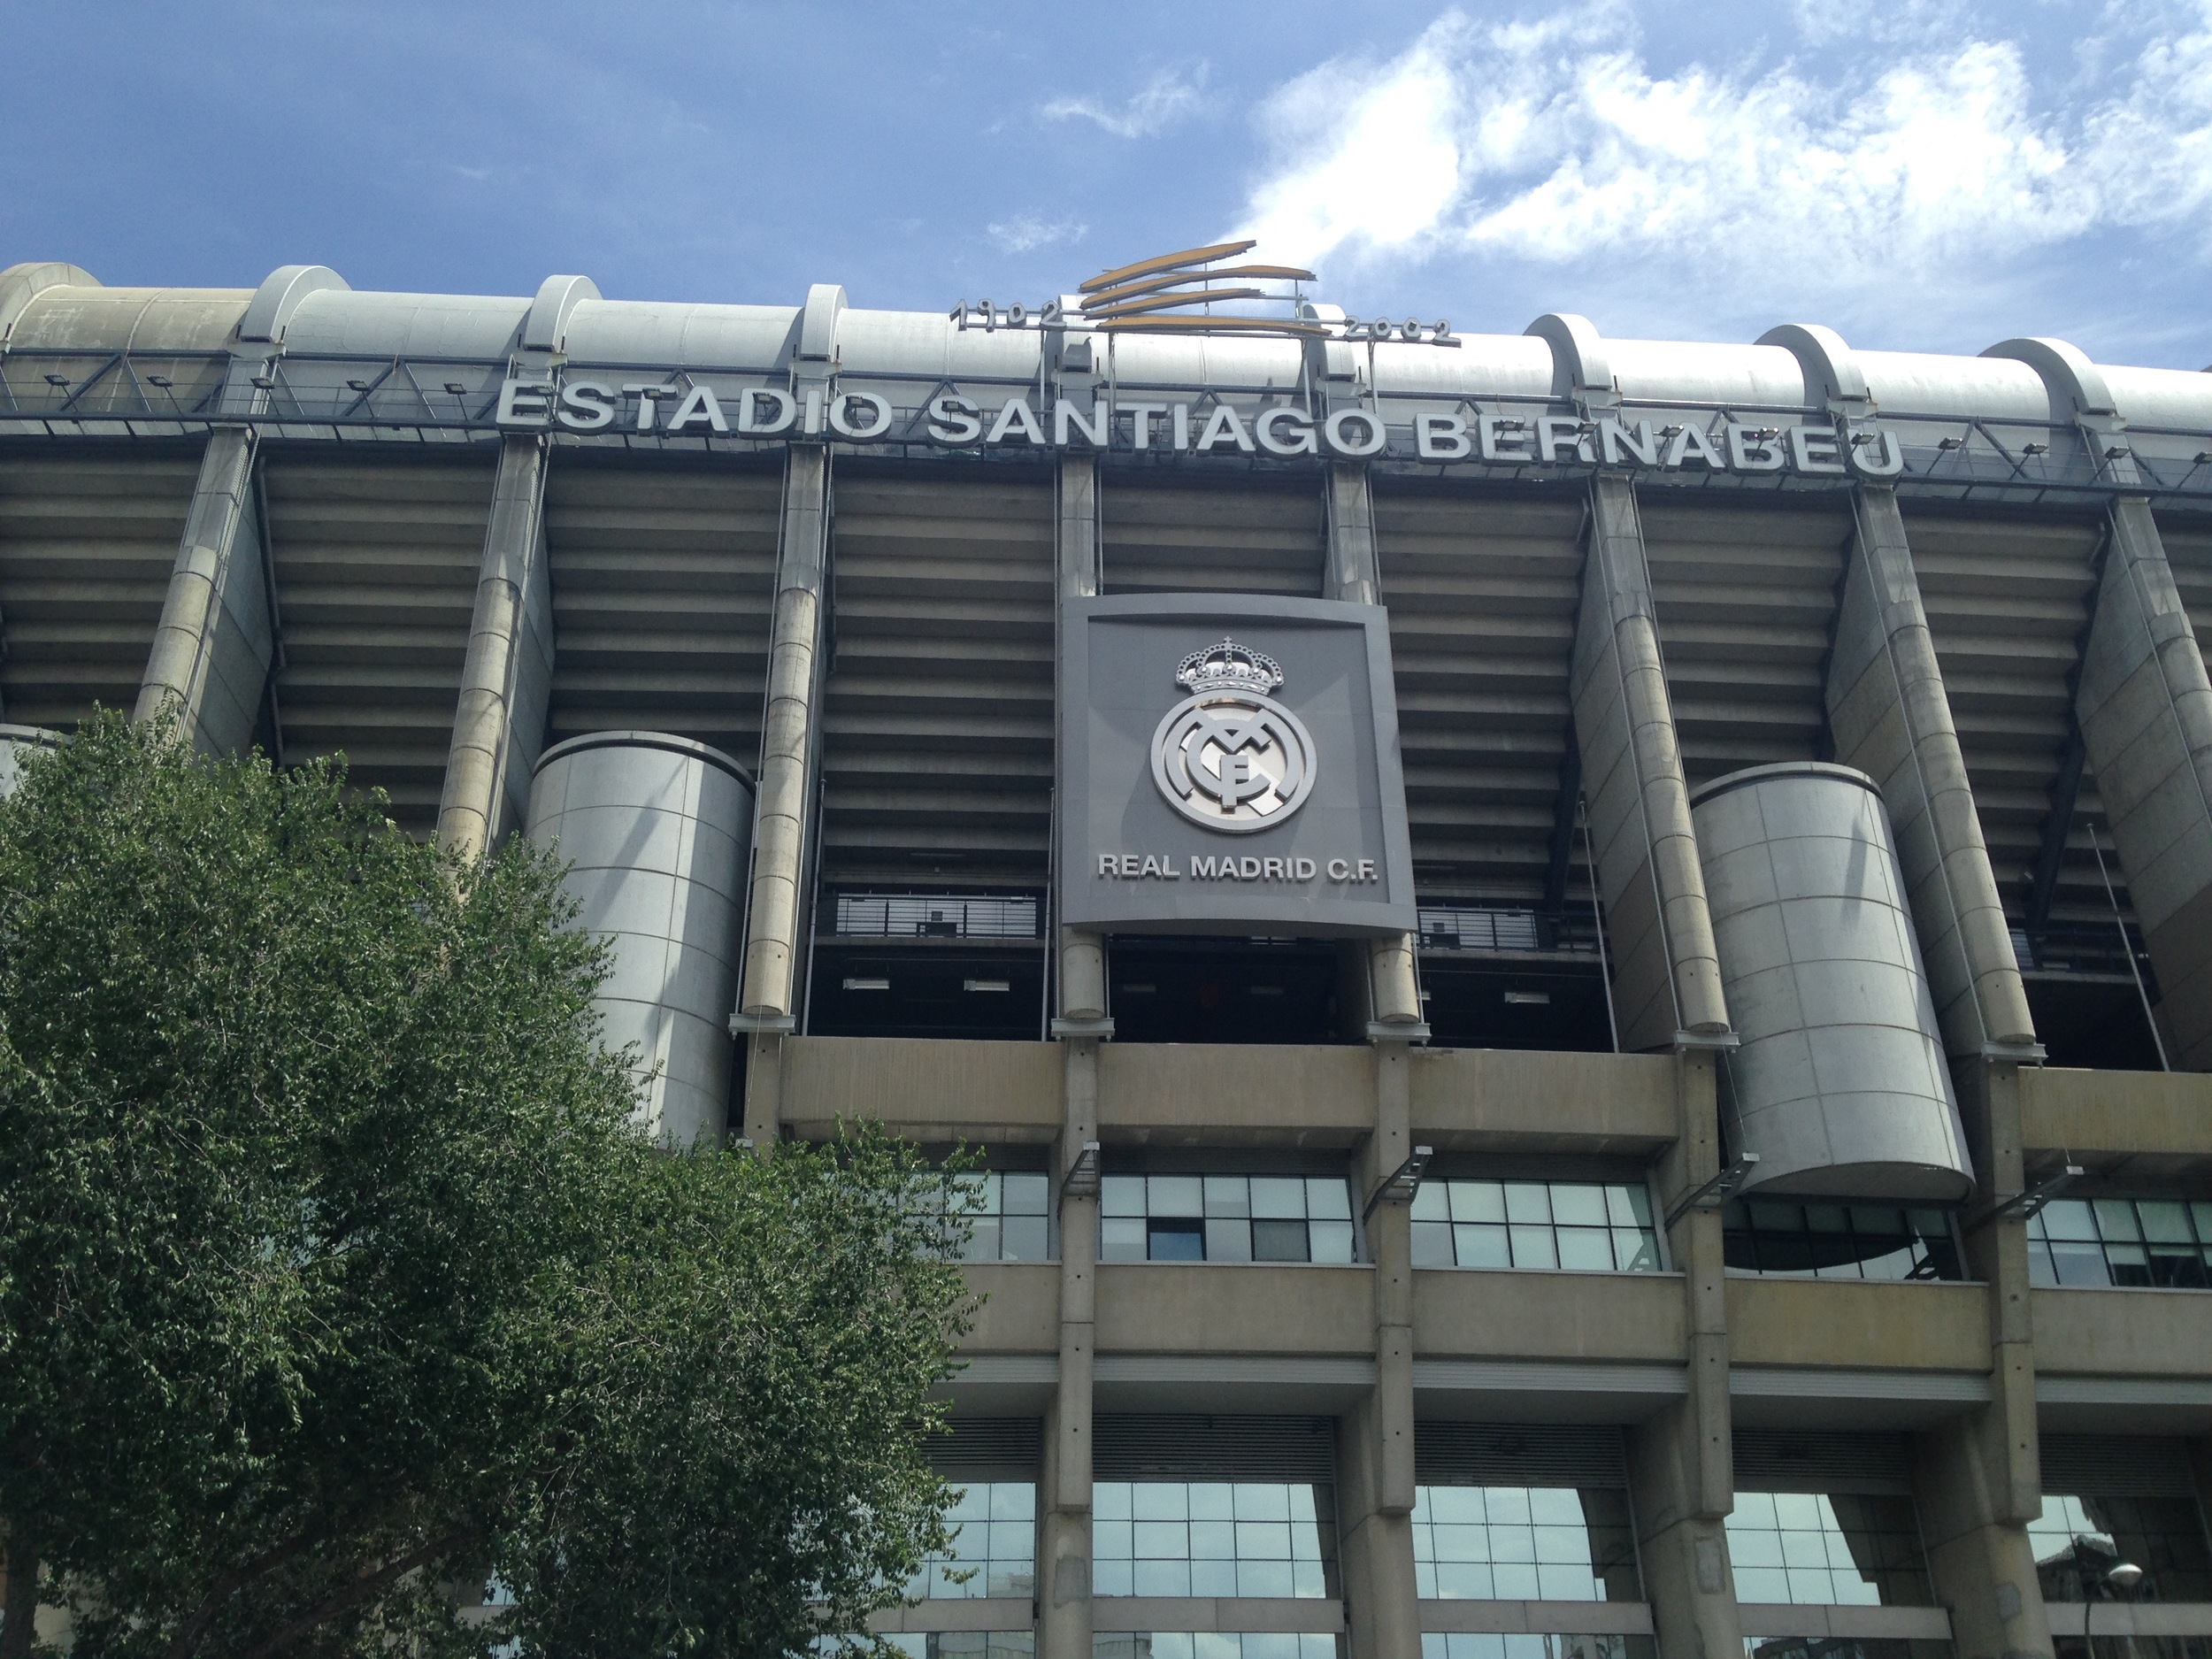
{"x": 1211, "y": 1537}
{"x": 994, "y": 1528}
{"x": 1838, "y": 1549}
{"x": 1586, "y": 1225}
{"x": 1007, "y": 1215}
{"x": 966, "y": 1644}
{"x": 1844, "y": 1647}
{"x": 1224, "y": 1218}
{"x": 1182, "y": 1644}
{"x": 1781, "y": 1238}
{"x": 1487, "y": 1644}
{"x": 1524, "y": 1544}
{"x": 2080, "y": 1539}
{"x": 2150, "y": 1243}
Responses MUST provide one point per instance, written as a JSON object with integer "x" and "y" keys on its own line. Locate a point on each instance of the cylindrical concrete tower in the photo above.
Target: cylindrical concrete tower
{"x": 1841, "y": 1086}
{"x": 655, "y": 831}
{"x": 13, "y": 741}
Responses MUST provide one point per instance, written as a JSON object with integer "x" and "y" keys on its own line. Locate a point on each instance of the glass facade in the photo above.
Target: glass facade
{"x": 2077, "y": 1540}
{"x": 1779, "y": 1237}
{"x": 2103, "y": 1646}
{"x": 1182, "y": 1644}
{"x": 1839, "y": 1549}
{"x": 1843, "y": 1648}
{"x": 966, "y": 1644}
{"x": 993, "y": 1530}
{"x": 1212, "y": 1537}
{"x": 1006, "y": 1213}
{"x": 1224, "y": 1218}
{"x": 1467, "y": 1644}
{"x": 1595, "y": 1228}
{"x": 1523, "y": 1543}
{"x": 2160, "y": 1243}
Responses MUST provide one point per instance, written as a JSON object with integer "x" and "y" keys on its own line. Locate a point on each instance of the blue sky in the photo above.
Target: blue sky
{"x": 1931, "y": 175}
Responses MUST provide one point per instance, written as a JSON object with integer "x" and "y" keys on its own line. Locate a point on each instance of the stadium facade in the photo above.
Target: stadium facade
{"x": 1584, "y": 967}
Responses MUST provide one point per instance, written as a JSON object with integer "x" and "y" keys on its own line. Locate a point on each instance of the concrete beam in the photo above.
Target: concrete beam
{"x": 507, "y": 677}
{"x": 1891, "y": 718}
{"x": 213, "y": 646}
{"x": 2144, "y": 708}
{"x": 21, "y": 284}
{"x": 1666, "y": 971}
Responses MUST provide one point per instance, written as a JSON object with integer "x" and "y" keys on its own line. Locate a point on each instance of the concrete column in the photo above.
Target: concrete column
{"x": 213, "y": 648}
{"x": 1082, "y": 952}
{"x": 2144, "y": 708}
{"x": 1666, "y": 974}
{"x": 1978, "y": 1480}
{"x": 1354, "y": 576}
{"x": 1682, "y": 1461}
{"x": 1891, "y": 719}
{"x": 507, "y": 681}
{"x": 765, "y": 996}
{"x": 1375, "y": 1440}
{"x": 1064, "y": 1584}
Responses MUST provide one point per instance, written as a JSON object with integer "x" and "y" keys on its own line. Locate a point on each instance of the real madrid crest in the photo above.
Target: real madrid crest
{"x": 1229, "y": 756}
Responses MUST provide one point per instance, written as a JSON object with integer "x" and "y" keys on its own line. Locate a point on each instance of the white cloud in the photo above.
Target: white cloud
{"x": 1925, "y": 154}
{"x": 1170, "y": 94}
{"x": 1024, "y": 233}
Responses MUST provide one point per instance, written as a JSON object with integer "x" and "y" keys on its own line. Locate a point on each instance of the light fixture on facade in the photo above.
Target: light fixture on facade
{"x": 1400, "y": 1185}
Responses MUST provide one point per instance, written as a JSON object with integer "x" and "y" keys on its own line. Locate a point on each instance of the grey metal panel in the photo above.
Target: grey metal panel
{"x": 1841, "y": 1086}
{"x": 1682, "y": 370}
{"x": 100, "y": 320}
{"x": 1520, "y": 1454}
{"x": 654, "y": 830}
{"x": 1511, "y": 366}
{"x": 88, "y": 543}
{"x": 468, "y": 325}
{"x": 13, "y": 741}
{"x": 1809, "y": 1460}
{"x": 546, "y": 328}
{"x": 2117, "y": 1466}
{"x": 1913, "y": 382}
{"x": 653, "y": 335}
{"x": 280, "y": 296}
{"x": 1190, "y": 1447}
{"x": 2161, "y": 397}
{"x": 21, "y": 284}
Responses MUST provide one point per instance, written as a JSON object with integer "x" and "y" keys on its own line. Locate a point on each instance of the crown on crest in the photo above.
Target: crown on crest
{"x": 1229, "y": 666}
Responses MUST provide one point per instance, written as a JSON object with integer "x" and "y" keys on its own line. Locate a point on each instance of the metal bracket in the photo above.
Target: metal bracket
{"x": 1714, "y": 1041}
{"x": 1400, "y": 1185}
{"x": 1397, "y": 1031}
{"x": 2021, "y": 1206}
{"x": 762, "y": 1024}
{"x": 1082, "y": 1179}
{"x": 1717, "y": 1191}
{"x": 1100, "y": 1028}
{"x": 2018, "y": 1053}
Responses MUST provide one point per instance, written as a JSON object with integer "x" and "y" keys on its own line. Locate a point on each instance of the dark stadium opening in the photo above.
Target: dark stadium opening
{"x": 2087, "y": 1007}
{"x": 928, "y": 964}
{"x": 1497, "y": 977}
{"x": 1175, "y": 989}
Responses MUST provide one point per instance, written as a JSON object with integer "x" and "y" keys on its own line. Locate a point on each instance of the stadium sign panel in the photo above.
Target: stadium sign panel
{"x": 1228, "y": 761}
{"x": 1285, "y": 431}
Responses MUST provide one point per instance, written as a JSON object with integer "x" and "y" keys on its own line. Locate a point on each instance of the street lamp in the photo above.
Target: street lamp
{"x": 2122, "y": 1577}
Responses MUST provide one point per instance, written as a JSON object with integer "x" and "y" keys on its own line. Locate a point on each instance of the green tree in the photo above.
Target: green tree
{"x": 334, "y": 1273}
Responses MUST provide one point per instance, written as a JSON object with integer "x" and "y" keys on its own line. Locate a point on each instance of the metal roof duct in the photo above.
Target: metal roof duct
{"x": 1841, "y": 1086}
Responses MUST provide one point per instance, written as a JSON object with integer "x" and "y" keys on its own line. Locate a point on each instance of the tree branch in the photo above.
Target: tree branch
{"x": 359, "y": 1591}
{"x": 189, "y": 1633}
